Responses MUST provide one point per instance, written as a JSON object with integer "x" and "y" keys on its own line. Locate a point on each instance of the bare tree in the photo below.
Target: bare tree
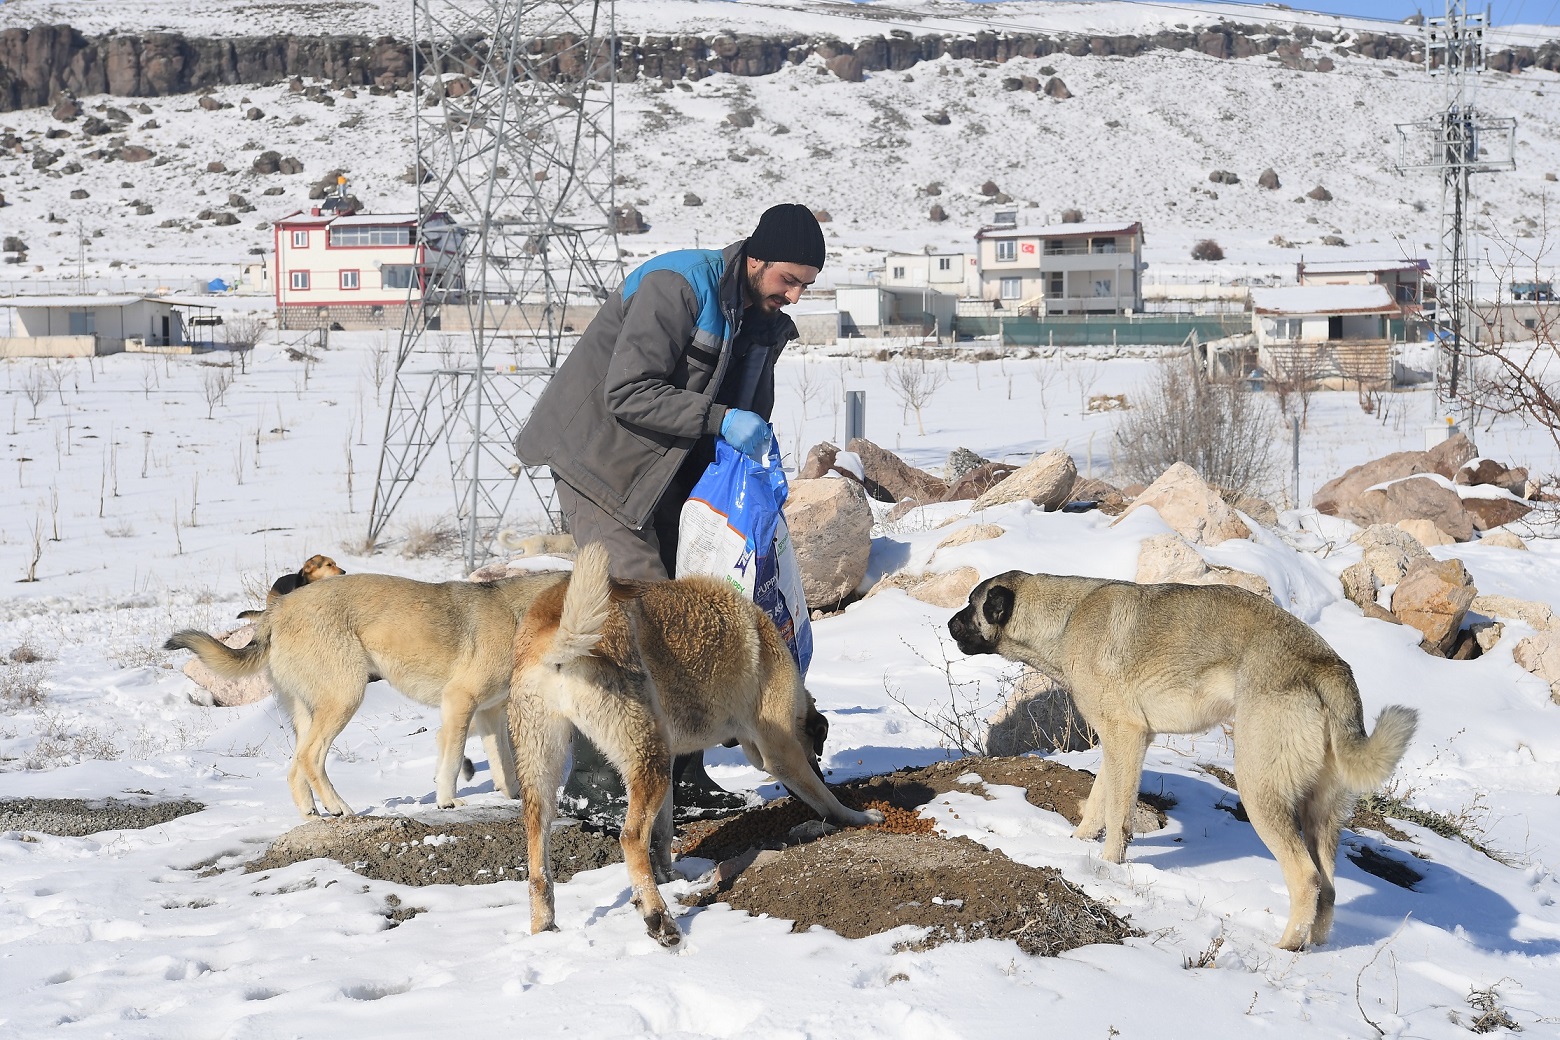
{"x": 1512, "y": 364}
{"x": 377, "y": 365}
{"x": 1084, "y": 374}
{"x": 241, "y": 334}
{"x": 1222, "y": 431}
{"x": 910, "y": 380}
{"x": 214, "y": 384}
{"x": 36, "y": 390}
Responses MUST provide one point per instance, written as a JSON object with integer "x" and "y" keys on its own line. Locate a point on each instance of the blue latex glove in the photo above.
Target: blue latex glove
{"x": 746, "y": 432}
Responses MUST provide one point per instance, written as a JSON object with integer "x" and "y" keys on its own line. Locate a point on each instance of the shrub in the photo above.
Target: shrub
{"x": 1223, "y": 432}
{"x": 1207, "y": 249}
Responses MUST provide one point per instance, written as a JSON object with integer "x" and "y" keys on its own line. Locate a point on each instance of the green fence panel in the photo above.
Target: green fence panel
{"x": 1103, "y": 330}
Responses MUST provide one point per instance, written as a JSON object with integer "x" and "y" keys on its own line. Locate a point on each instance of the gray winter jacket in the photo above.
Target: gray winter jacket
{"x": 638, "y": 390}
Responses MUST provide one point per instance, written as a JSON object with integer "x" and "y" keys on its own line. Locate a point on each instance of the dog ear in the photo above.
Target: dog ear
{"x": 998, "y": 606}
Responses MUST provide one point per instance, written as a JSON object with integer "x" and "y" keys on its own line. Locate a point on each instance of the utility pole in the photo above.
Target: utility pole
{"x": 1456, "y": 143}
{"x": 514, "y": 121}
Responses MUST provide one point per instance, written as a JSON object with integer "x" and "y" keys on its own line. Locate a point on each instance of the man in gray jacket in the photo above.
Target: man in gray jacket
{"x": 683, "y": 351}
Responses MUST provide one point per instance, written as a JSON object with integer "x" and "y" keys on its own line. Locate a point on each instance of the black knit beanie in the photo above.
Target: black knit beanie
{"x": 788, "y": 234}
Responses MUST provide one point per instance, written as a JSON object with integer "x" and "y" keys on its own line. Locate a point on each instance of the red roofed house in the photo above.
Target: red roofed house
{"x": 358, "y": 270}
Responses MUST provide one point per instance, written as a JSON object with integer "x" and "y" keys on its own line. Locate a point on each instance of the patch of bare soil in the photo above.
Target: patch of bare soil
{"x": 78, "y": 817}
{"x": 1047, "y": 785}
{"x": 461, "y": 852}
{"x": 863, "y": 882}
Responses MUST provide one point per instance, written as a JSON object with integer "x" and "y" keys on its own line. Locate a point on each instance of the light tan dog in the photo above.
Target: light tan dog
{"x": 449, "y": 645}
{"x": 648, "y": 671}
{"x": 537, "y": 544}
{"x": 1148, "y": 659}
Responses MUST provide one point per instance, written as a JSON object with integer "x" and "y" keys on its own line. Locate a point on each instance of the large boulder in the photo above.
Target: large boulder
{"x": 1191, "y": 507}
{"x": 1434, "y": 597}
{"x": 1504, "y": 540}
{"x": 1039, "y": 716}
{"x": 976, "y": 482}
{"x": 1168, "y": 558}
{"x": 831, "y": 533}
{"x": 1416, "y": 497}
{"x": 1490, "y": 513}
{"x": 1388, "y": 551}
{"x": 1487, "y": 471}
{"x": 1540, "y": 615}
{"x": 230, "y": 693}
{"x": 967, "y": 534}
{"x": 1540, "y": 654}
{"x": 1445, "y": 458}
{"x": 949, "y": 590}
{"x": 1046, "y": 481}
{"x": 883, "y": 469}
{"x": 1425, "y": 532}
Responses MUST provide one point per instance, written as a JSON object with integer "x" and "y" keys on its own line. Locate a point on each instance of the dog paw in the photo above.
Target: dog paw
{"x": 873, "y": 816}
{"x": 661, "y": 928}
{"x": 453, "y": 803}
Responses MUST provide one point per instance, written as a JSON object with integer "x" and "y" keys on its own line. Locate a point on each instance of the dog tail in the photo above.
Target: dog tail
{"x": 221, "y": 658}
{"x": 1364, "y": 763}
{"x": 586, "y": 607}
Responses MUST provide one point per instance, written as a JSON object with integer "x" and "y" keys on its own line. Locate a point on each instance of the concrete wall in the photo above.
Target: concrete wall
{"x": 55, "y": 346}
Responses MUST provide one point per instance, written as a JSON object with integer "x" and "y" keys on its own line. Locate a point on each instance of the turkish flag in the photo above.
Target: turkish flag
{"x": 1026, "y": 247}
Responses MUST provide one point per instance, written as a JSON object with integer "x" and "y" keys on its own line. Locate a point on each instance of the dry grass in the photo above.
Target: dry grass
{"x": 428, "y": 538}
{"x": 22, "y": 683}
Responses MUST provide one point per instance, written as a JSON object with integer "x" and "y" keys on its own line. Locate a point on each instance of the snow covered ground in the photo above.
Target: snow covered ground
{"x": 155, "y": 509}
{"x": 126, "y": 934}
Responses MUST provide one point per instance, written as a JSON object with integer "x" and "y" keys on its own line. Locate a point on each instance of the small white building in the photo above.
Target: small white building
{"x": 876, "y": 310}
{"x": 1407, "y": 280}
{"x": 1062, "y": 268}
{"x": 1319, "y": 333}
{"x": 91, "y": 326}
{"x": 954, "y": 273}
{"x": 359, "y": 270}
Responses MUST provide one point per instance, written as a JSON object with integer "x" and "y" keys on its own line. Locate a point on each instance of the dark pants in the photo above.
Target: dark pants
{"x": 649, "y": 554}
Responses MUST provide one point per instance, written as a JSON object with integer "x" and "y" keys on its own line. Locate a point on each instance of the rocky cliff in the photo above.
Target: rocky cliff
{"x": 41, "y": 62}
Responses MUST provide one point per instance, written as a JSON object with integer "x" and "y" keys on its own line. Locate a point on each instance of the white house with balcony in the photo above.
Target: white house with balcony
{"x": 358, "y": 270}
{"x": 1062, "y": 268}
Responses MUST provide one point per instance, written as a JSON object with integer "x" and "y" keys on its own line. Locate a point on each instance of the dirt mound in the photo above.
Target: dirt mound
{"x": 863, "y": 882}
{"x": 78, "y": 817}
{"x": 463, "y": 851}
{"x": 1047, "y": 785}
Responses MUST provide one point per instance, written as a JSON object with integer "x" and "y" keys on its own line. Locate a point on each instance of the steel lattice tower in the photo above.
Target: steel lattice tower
{"x": 1456, "y": 143}
{"x": 514, "y": 163}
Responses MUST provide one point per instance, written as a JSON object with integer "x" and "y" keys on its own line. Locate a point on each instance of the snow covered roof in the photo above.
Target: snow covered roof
{"x": 1323, "y": 299}
{"x": 1359, "y": 266}
{"x": 1059, "y": 230}
{"x": 84, "y": 302}
{"x": 357, "y": 219}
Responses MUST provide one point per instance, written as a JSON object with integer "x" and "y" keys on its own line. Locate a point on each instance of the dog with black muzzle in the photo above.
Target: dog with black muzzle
{"x": 1147, "y": 659}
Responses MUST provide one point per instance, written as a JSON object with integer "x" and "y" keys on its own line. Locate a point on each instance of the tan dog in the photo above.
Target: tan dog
{"x": 537, "y": 544}
{"x": 448, "y": 645}
{"x": 648, "y": 671}
{"x": 313, "y": 569}
{"x": 1148, "y": 659}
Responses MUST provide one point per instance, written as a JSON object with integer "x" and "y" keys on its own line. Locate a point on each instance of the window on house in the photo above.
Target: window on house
{"x": 83, "y": 323}
{"x": 1007, "y": 250}
{"x": 397, "y": 276}
{"x": 369, "y": 235}
{"x": 1012, "y": 288}
{"x": 1287, "y": 328}
{"x": 1102, "y": 286}
{"x": 899, "y": 272}
{"x": 1054, "y": 287}
{"x": 349, "y": 279}
{"x": 300, "y": 279}
{"x": 1102, "y": 245}
{"x": 945, "y": 263}
{"x": 300, "y": 239}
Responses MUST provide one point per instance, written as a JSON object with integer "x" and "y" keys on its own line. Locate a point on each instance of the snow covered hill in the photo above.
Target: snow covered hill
{"x": 1137, "y": 140}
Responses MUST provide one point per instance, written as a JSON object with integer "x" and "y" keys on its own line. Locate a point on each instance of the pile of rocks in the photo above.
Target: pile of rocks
{"x": 1441, "y": 496}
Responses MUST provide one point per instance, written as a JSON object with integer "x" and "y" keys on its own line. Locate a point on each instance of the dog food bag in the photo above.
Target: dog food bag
{"x": 732, "y": 527}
